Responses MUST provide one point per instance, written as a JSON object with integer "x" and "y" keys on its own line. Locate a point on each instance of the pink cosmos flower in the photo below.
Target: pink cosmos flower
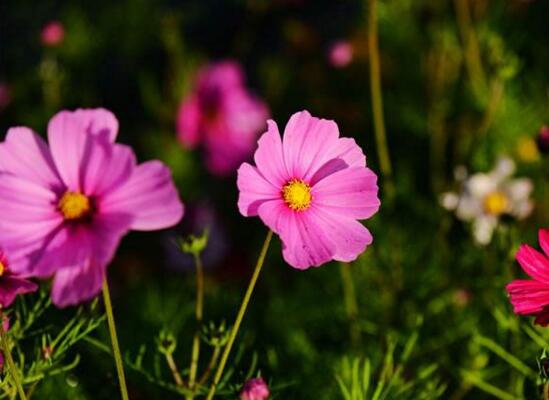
{"x": 52, "y": 33}
{"x": 255, "y": 389}
{"x": 223, "y": 116}
{"x": 11, "y": 284}
{"x": 340, "y": 54}
{"x": 531, "y": 297}
{"x": 64, "y": 208}
{"x": 310, "y": 188}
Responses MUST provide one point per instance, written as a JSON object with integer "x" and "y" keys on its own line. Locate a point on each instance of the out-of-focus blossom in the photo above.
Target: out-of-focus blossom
{"x": 310, "y": 188}
{"x": 222, "y": 116}
{"x": 485, "y": 197}
{"x": 52, "y": 34}
{"x": 255, "y": 389}
{"x": 340, "y": 53}
{"x": 543, "y": 139}
{"x": 65, "y": 207}
{"x": 5, "y": 95}
{"x": 531, "y": 297}
{"x": 527, "y": 149}
{"x": 11, "y": 284}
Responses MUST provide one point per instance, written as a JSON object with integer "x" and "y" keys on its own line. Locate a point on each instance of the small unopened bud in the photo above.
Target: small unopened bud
{"x": 194, "y": 244}
{"x": 47, "y": 352}
{"x": 166, "y": 343}
{"x": 255, "y": 389}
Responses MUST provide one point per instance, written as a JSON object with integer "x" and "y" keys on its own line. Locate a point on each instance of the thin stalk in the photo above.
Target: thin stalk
{"x": 211, "y": 365}
{"x": 198, "y": 312}
{"x": 546, "y": 391}
{"x": 377, "y": 99}
{"x": 471, "y": 52}
{"x": 240, "y": 316}
{"x": 173, "y": 369}
{"x": 351, "y": 306}
{"x": 114, "y": 341}
{"x": 14, "y": 373}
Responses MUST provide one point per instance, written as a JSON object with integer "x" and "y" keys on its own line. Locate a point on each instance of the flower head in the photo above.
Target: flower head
{"x": 486, "y": 197}
{"x": 340, "y": 54}
{"x": 65, "y": 207}
{"x": 543, "y": 139}
{"x": 255, "y": 389}
{"x": 11, "y": 284}
{"x": 221, "y": 115}
{"x": 52, "y": 34}
{"x": 310, "y": 188}
{"x": 531, "y": 297}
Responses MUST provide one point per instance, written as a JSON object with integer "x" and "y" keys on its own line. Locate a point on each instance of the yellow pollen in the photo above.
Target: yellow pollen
{"x": 74, "y": 205}
{"x": 496, "y": 203}
{"x": 297, "y": 195}
{"x": 2, "y": 268}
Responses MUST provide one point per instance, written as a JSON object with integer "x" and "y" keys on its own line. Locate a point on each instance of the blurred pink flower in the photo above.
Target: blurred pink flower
{"x": 340, "y": 54}
{"x": 310, "y": 188}
{"x": 64, "y": 208}
{"x": 52, "y": 34}
{"x": 531, "y": 297}
{"x": 543, "y": 140}
{"x": 5, "y": 95}
{"x": 223, "y": 116}
{"x": 11, "y": 284}
{"x": 255, "y": 389}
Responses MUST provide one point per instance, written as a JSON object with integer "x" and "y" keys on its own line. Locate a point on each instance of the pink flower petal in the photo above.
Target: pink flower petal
{"x": 544, "y": 240}
{"x": 351, "y": 192}
{"x": 346, "y": 153}
{"x": 74, "y": 285}
{"x": 269, "y": 157}
{"x": 188, "y": 122}
{"x": 254, "y": 189}
{"x": 106, "y": 167}
{"x": 11, "y": 286}
{"x": 349, "y": 236}
{"x": 70, "y": 134}
{"x": 528, "y": 297}
{"x": 304, "y": 137}
{"x": 26, "y": 155}
{"x": 305, "y": 244}
{"x": 533, "y": 263}
{"x": 149, "y": 196}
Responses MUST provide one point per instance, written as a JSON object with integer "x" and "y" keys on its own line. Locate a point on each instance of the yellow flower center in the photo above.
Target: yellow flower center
{"x": 297, "y": 195}
{"x": 496, "y": 203}
{"x": 2, "y": 268}
{"x": 74, "y": 205}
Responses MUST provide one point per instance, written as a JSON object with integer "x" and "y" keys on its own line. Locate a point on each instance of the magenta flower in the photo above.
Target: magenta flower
{"x": 310, "y": 188}
{"x": 531, "y": 297}
{"x": 255, "y": 389}
{"x": 340, "y": 54}
{"x": 11, "y": 284}
{"x": 222, "y": 116}
{"x": 64, "y": 208}
{"x": 543, "y": 140}
{"x": 52, "y": 34}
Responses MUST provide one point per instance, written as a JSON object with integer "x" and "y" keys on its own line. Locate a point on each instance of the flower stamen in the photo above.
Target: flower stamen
{"x": 496, "y": 203}
{"x": 74, "y": 205}
{"x": 297, "y": 195}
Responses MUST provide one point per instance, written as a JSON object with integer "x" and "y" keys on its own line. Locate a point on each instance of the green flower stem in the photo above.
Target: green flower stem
{"x": 198, "y": 312}
{"x": 174, "y": 370}
{"x": 114, "y": 341}
{"x": 377, "y": 99}
{"x": 351, "y": 306}
{"x": 546, "y": 391}
{"x": 211, "y": 365}
{"x": 240, "y": 316}
{"x": 14, "y": 373}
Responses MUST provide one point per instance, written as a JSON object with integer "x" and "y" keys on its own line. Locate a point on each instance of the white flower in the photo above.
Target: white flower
{"x": 485, "y": 197}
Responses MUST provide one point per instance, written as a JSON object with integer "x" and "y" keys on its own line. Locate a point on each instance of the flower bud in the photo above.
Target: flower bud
{"x": 255, "y": 389}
